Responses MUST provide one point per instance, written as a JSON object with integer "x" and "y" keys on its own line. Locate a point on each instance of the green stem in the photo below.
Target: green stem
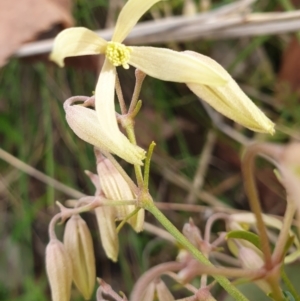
{"x": 134, "y": 212}
{"x": 223, "y": 281}
{"x": 137, "y": 168}
{"x": 284, "y": 232}
{"x": 147, "y": 164}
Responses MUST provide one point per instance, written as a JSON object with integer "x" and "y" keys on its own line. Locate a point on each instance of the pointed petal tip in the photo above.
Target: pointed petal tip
{"x": 76, "y": 41}
{"x": 56, "y": 59}
{"x": 272, "y": 129}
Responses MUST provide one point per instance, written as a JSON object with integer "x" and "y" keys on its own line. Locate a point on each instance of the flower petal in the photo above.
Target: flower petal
{"x": 105, "y": 108}
{"x": 129, "y": 16}
{"x": 84, "y": 123}
{"x": 105, "y": 98}
{"x": 170, "y": 65}
{"x": 108, "y": 232}
{"x": 76, "y": 41}
{"x": 231, "y": 101}
{"x": 115, "y": 187}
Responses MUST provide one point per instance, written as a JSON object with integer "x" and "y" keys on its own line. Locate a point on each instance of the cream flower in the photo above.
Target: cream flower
{"x": 230, "y": 100}
{"x": 164, "y": 64}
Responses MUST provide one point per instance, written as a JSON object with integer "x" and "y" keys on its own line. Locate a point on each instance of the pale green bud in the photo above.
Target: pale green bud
{"x": 79, "y": 244}
{"x": 59, "y": 270}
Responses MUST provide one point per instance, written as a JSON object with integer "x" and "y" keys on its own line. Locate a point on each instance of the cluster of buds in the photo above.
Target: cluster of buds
{"x": 74, "y": 258}
{"x": 110, "y": 184}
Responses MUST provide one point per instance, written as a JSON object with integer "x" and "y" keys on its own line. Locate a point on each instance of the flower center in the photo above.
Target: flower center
{"x": 118, "y": 54}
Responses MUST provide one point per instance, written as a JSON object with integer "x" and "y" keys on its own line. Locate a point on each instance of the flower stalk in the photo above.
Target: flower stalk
{"x": 223, "y": 281}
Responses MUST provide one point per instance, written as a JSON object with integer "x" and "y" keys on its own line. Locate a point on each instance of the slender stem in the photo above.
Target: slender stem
{"x": 134, "y": 212}
{"x": 51, "y": 228}
{"x": 210, "y": 222}
{"x": 250, "y": 186}
{"x": 137, "y": 168}
{"x": 227, "y": 272}
{"x": 139, "y": 78}
{"x": 224, "y": 282}
{"x": 136, "y": 109}
{"x": 120, "y": 96}
{"x": 284, "y": 232}
{"x": 249, "y": 182}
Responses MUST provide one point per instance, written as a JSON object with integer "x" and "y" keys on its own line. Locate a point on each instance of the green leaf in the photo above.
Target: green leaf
{"x": 246, "y": 235}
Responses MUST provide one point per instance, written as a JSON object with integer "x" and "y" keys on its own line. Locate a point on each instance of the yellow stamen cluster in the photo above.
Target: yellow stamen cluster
{"x": 118, "y": 54}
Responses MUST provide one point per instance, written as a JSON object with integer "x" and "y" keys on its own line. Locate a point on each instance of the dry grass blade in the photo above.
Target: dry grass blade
{"x": 39, "y": 175}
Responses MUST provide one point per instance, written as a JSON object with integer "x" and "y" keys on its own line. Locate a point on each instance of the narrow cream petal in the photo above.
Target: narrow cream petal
{"x": 232, "y": 102}
{"x": 170, "y": 65}
{"x": 129, "y": 16}
{"x": 76, "y": 41}
{"x": 108, "y": 232}
{"x": 105, "y": 98}
{"x": 105, "y": 108}
{"x": 84, "y": 123}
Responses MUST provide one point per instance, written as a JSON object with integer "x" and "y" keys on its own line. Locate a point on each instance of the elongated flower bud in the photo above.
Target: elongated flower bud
{"x": 163, "y": 293}
{"x": 85, "y": 124}
{"x": 108, "y": 232}
{"x": 116, "y": 188}
{"x": 149, "y": 292}
{"x": 192, "y": 233}
{"x": 251, "y": 260}
{"x": 59, "y": 270}
{"x": 79, "y": 244}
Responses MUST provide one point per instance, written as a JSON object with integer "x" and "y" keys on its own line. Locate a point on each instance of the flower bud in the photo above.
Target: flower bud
{"x": 163, "y": 293}
{"x": 149, "y": 292}
{"x": 79, "y": 244}
{"x": 116, "y": 188}
{"x": 108, "y": 232}
{"x": 251, "y": 260}
{"x": 192, "y": 233}
{"x": 59, "y": 270}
